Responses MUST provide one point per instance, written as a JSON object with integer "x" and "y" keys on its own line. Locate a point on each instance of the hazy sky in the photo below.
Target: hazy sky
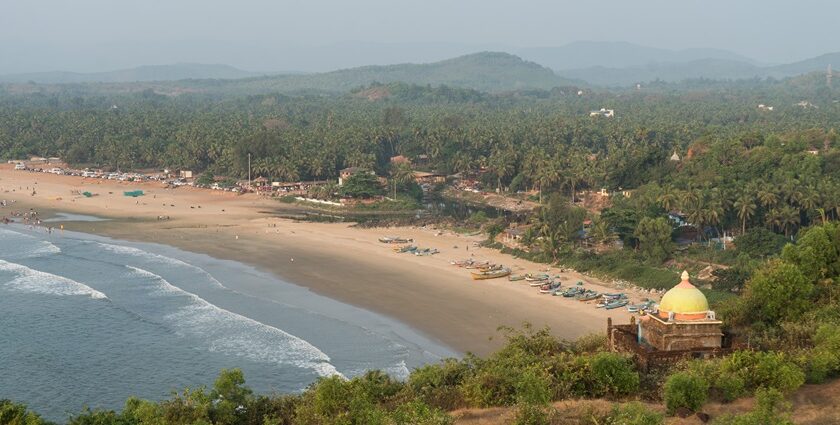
{"x": 88, "y": 35}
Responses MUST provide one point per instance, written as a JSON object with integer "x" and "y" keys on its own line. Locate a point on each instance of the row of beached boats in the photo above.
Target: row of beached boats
{"x": 549, "y": 285}
{"x": 395, "y": 240}
{"x": 413, "y": 249}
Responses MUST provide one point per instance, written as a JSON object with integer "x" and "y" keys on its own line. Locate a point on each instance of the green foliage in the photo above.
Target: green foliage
{"x": 759, "y": 242}
{"x": 438, "y": 384}
{"x": 771, "y": 409}
{"x": 532, "y": 414}
{"x": 731, "y": 279}
{"x": 16, "y": 414}
{"x": 361, "y": 185}
{"x": 610, "y": 375}
{"x": 684, "y": 390}
{"x": 633, "y": 413}
{"x": 654, "y": 236}
{"x": 778, "y": 291}
{"x": 763, "y": 369}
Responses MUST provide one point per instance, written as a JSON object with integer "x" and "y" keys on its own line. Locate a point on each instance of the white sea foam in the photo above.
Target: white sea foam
{"x": 229, "y": 332}
{"x": 39, "y": 249}
{"x": 35, "y": 281}
{"x": 136, "y": 252}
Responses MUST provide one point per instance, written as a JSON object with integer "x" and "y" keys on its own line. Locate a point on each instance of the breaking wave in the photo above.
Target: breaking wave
{"x": 232, "y": 333}
{"x": 35, "y": 281}
{"x": 136, "y": 252}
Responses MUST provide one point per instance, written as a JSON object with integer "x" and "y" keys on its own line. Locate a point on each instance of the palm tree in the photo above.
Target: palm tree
{"x": 767, "y": 196}
{"x": 401, "y": 174}
{"x": 668, "y": 198}
{"x": 548, "y": 174}
{"x": 745, "y": 207}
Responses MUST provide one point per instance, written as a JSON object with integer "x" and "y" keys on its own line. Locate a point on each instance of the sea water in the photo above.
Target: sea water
{"x": 86, "y": 320}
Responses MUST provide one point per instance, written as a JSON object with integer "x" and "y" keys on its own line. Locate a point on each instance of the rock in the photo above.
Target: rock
{"x": 704, "y": 417}
{"x": 683, "y": 412}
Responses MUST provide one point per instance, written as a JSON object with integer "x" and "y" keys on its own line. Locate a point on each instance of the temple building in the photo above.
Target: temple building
{"x": 681, "y": 326}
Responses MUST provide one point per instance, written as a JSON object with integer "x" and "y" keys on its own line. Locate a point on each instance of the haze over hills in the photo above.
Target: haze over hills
{"x": 585, "y": 54}
{"x": 180, "y": 71}
{"x": 715, "y": 69}
{"x": 618, "y": 64}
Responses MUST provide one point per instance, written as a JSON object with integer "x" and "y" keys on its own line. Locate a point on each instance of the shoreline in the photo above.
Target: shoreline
{"x": 335, "y": 260}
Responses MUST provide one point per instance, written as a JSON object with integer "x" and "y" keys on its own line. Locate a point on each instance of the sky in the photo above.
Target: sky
{"x": 317, "y": 35}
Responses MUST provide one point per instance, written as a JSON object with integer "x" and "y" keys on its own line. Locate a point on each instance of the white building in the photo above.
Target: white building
{"x": 603, "y": 112}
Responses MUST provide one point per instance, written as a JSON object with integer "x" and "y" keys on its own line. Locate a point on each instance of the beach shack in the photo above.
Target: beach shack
{"x": 422, "y": 177}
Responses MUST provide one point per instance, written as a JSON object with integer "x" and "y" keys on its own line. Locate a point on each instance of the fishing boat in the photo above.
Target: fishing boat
{"x": 536, "y": 283}
{"x": 490, "y": 274}
{"x": 516, "y": 277}
{"x": 406, "y": 248}
{"x": 476, "y": 264}
{"x": 572, "y": 292}
{"x": 588, "y": 296}
{"x": 536, "y": 278}
{"x": 394, "y": 239}
{"x": 490, "y": 268}
{"x": 616, "y": 304}
{"x": 550, "y": 288}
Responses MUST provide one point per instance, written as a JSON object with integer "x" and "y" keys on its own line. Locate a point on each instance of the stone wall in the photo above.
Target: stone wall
{"x": 681, "y": 335}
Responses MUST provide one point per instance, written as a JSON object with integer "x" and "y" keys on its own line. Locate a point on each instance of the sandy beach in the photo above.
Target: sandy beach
{"x": 333, "y": 259}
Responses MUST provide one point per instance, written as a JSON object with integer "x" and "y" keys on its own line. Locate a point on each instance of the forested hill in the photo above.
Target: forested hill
{"x": 180, "y": 71}
{"x": 709, "y": 68}
{"x": 486, "y": 71}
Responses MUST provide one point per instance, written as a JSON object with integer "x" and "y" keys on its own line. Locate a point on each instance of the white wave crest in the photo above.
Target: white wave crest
{"x": 35, "y": 281}
{"x": 232, "y": 333}
{"x": 41, "y": 248}
{"x": 136, "y": 252}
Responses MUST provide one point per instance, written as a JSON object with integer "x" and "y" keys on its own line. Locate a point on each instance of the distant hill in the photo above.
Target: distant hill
{"x": 586, "y": 54}
{"x": 485, "y": 71}
{"x": 181, "y": 71}
{"x": 714, "y": 69}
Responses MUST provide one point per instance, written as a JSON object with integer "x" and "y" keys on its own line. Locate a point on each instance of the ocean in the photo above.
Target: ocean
{"x": 90, "y": 321}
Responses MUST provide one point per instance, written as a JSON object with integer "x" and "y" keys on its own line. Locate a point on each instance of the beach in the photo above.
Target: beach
{"x": 335, "y": 260}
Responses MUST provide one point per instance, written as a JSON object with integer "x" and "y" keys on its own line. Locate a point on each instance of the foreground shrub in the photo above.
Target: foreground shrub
{"x": 764, "y": 369}
{"x": 438, "y": 384}
{"x": 532, "y": 414}
{"x": 634, "y": 413}
{"x": 611, "y": 375}
{"x": 771, "y": 409}
{"x": 419, "y": 413}
{"x": 16, "y": 414}
{"x": 685, "y": 390}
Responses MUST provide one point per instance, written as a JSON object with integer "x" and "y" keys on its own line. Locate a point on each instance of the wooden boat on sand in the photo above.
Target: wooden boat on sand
{"x": 490, "y": 274}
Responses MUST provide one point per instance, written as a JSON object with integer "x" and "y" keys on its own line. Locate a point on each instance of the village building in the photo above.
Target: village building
{"x": 422, "y": 177}
{"x": 675, "y": 157}
{"x": 512, "y": 236}
{"x": 603, "y": 112}
{"x": 347, "y": 172}
{"x": 399, "y": 159}
{"x": 681, "y": 326}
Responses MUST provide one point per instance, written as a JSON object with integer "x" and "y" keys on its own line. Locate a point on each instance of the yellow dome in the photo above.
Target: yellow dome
{"x": 684, "y": 299}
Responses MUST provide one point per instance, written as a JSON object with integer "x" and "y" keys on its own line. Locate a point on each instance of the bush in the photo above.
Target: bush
{"x": 12, "y": 413}
{"x": 730, "y": 386}
{"x": 770, "y": 409}
{"x": 759, "y": 242}
{"x": 437, "y": 384}
{"x": 764, "y": 369}
{"x": 531, "y": 414}
{"x": 612, "y": 375}
{"x": 685, "y": 390}
{"x": 418, "y": 413}
{"x": 634, "y": 413}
